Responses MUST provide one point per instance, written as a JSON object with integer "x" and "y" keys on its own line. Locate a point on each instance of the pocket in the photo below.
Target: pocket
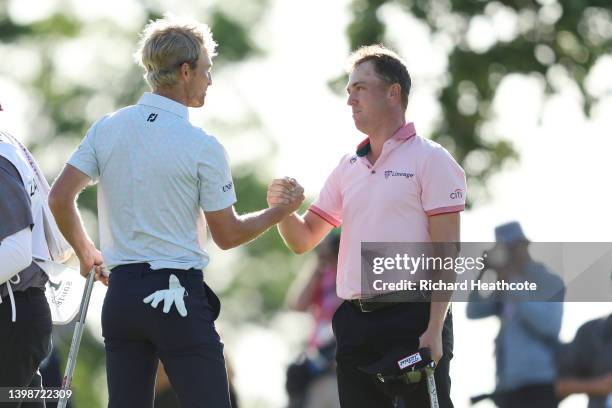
{"x": 213, "y": 301}
{"x": 107, "y": 317}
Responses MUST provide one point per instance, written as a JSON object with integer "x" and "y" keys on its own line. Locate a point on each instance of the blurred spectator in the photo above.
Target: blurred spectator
{"x": 311, "y": 380}
{"x": 585, "y": 364}
{"x": 528, "y": 337}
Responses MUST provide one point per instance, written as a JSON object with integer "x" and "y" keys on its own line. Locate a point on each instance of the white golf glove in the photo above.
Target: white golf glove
{"x": 174, "y": 294}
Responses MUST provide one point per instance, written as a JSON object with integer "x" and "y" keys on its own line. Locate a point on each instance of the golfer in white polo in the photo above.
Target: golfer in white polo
{"x": 160, "y": 179}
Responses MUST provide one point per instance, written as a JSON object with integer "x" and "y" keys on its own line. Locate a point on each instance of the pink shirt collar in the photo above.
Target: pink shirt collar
{"x": 403, "y": 133}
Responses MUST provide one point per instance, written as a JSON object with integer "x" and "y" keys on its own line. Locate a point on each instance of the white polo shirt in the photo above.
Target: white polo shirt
{"x": 390, "y": 201}
{"x": 156, "y": 174}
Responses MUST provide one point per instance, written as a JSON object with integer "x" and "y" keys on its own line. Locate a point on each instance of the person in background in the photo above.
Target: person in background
{"x": 25, "y": 317}
{"x": 315, "y": 293}
{"x": 585, "y": 364}
{"x": 529, "y": 330}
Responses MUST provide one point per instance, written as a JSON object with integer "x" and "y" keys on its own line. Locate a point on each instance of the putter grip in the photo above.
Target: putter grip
{"x": 431, "y": 388}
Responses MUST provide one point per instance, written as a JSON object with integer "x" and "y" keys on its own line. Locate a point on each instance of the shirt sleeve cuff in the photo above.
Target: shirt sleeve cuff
{"x": 83, "y": 169}
{"x": 333, "y": 221}
{"x": 445, "y": 210}
{"x": 221, "y": 204}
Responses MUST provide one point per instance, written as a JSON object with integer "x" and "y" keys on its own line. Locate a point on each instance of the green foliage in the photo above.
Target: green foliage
{"x": 268, "y": 267}
{"x": 366, "y": 27}
{"x": 90, "y": 369}
{"x": 236, "y": 44}
{"x": 66, "y": 111}
{"x": 566, "y": 34}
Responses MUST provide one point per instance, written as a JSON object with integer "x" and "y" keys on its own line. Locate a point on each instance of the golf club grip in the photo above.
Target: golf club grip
{"x": 76, "y": 338}
{"x": 431, "y": 388}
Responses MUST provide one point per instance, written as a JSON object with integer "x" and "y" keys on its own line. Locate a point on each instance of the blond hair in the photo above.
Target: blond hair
{"x": 169, "y": 42}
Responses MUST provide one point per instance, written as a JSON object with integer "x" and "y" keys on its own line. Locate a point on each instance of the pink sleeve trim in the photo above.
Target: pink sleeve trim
{"x": 444, "y": 210}
{"x": 333, "y": 221}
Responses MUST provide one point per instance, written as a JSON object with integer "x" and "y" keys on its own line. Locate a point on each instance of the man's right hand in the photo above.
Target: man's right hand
{"x": 285, "y": 193}
{"x": 88, "y": 259}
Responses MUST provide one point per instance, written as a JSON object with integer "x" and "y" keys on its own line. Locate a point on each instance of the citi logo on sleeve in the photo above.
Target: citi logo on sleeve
{"x": 227, "y": 187}
{"x": 152, "y": 117}
{"x": 458, "y": 193}
{"x": 393, "y": 173}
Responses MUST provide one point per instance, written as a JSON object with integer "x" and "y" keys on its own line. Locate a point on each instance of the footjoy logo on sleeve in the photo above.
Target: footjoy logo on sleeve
{"x": 228, "y": 187}
{"x": 409, "y": 361}
{"x": 392, "y": 173}
{"x": 458, "y": 193}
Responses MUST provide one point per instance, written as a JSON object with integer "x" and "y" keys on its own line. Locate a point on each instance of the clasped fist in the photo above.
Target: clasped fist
{"x": 285, "y": 193}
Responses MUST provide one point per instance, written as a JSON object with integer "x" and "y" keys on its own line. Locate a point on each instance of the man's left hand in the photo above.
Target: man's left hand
{"x": 432, "y": 339}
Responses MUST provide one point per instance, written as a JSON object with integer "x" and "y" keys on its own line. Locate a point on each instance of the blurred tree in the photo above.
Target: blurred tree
{"x": 550, "y": 38}
{"x": 70, "y": 90}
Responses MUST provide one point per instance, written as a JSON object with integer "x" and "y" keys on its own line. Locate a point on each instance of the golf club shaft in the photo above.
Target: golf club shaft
{"x": 76, "y": 338}
{"x": 431, "y": 388}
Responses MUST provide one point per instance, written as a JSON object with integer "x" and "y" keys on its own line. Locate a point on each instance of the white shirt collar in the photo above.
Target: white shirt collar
{"x": 161, "y": 102}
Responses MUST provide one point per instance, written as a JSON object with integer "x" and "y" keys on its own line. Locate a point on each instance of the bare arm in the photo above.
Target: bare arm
{"x": 443, "y": 228}
{"x": 230, "y": 230}
{"x": 300, "y": 233}
{"x": 598, "y": 386}
{"x": 62, "y": 202}
{"x": 303, "y": 233}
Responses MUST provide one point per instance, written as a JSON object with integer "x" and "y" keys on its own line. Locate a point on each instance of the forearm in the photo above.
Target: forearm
{"x": 440, "y": 299}
{"x": 437, "y": 314}
{"x": 445, "y": 237}
{"x": 479, "y": 307}
{"x": 565, "y": 387}
{"x": 296, "y": 233}
{"x": 70, "y": 224}
{"x": 249, "y": 226}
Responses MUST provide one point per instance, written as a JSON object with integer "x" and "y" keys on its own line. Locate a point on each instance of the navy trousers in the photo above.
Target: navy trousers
{"x": 136, "y": 336}
{"x": 364, "y": 338}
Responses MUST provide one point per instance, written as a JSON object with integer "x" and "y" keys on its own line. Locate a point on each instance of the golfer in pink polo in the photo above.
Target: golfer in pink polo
{"x": 396, "y": 187}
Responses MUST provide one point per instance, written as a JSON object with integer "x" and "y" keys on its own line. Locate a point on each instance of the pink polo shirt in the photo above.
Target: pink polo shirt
{"x": 389, "y": 201}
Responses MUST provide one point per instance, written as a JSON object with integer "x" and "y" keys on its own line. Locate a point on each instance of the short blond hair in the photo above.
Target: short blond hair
{"x": 169, "y": 42}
